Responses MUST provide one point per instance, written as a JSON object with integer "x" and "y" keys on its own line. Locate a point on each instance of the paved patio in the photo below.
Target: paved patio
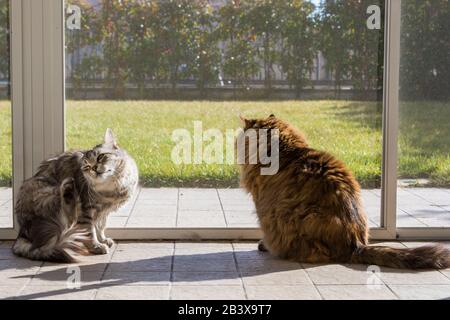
{"x": 232, "y": 208}
{"x": 205, "y": 270}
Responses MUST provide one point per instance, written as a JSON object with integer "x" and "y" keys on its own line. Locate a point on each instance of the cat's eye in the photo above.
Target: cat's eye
{"x": 101, "y": 158}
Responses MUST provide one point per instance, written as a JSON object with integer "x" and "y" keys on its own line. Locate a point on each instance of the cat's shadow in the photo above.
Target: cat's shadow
{"x": 164, "y": 269}
{"x": 180, "y": 268}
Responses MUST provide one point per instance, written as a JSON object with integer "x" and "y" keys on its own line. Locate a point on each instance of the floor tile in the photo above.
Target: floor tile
{"x": 198, "y": 262}
{"x": 355, "y": 292}
{"x": 158, "y": 193}
{"x": 136, "y": 278}
{"x": 69, "y": 277}
{"x": 6, "y": 254}
{"x": 198, "y": 193}
{"x": 84, "y": 266}
{"x": 276, "y": 278}
{"x": 5, "y": 193}
{"x": 414, "y": 244}
{"x": 15, "y": 278}
{"x": 264, "y": 266}
{"x": 147, "y": 245}
{"x": 20, "y": 264}
{"x": 252, "y": 254}
{"x": 148, "y": 222}
{"x": 392, "y": 244}
{"x": 152, "y": 264}
{"x": 191, "y": 292}
{"x": 203, "y": 246}
{"x": 56, "y": 293}
{"x": 117, "y": 222}
{"x": 140, "y": 254}
{"x": 339, "y": 274}
{"x": 446, "y": 272}
{"x": 233, "y": 194}
{"x": 200, "y": 205}
{"x": 133, "y": 293}
{"x": 433, "y": 195}
{"x": 398, "y": 276}
{"x": 170, "y": 202}
{"x": 9, "y": 292}
{"x": 153, "y": 211}
{"x": 281, "y": 292}
{"x": 206, "y": 278}
{"x": 422, "y": 292}
{"x": 201, "y": 220}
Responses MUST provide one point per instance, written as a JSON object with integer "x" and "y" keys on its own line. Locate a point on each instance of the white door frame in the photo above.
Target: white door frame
{"x": 38, "y": 99}
{"x": 37, "y": 87}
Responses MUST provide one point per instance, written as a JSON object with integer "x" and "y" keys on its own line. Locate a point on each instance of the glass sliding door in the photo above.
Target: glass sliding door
{"x": 424, "y": 144}
{"x": 152, "y": 69}
{"x": 6, "y": 220}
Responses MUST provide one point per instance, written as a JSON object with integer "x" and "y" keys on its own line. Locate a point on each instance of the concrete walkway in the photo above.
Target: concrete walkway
{"x": 232, "y": 208}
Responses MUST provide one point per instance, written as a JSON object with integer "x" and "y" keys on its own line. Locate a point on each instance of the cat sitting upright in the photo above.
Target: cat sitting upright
{"x": 310, "y": 210}
{"x": 63, "y": 208}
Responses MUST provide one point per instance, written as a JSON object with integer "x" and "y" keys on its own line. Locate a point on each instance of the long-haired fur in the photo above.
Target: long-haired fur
{"x": 63, "y": 208}
{"x": 310, "y": 210}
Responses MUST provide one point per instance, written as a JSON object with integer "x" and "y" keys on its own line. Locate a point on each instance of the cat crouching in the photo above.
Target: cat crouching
{"x": 64, "y": 207}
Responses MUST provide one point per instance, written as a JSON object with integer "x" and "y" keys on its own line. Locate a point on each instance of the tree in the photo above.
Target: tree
{"x": 84, "y": 47}
{"x": 176, "y": 20}
{"x": 4, "y": 39}
{"x": 239, "y": 50}
{"x": 115, "y": 29}
{"x": 352, "y": 50}
{"x": 334, "y": 41}
{"x": 298, "y": 42}
{"x": 204, "y": 54}
{"x": 425, "y": 47}
{"x": 143, "y": 54}
{"x": 264, "y": 17}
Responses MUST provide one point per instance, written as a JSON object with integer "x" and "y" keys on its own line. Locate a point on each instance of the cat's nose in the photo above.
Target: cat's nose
{"x": 95, "y": 168}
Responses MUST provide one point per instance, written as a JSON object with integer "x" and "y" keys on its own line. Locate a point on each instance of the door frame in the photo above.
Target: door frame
{"x": 37, "y": 87}
{"x": 38, "y": 103}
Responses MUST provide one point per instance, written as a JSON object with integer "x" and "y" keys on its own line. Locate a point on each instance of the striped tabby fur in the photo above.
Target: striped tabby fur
{"x": 63, "y": 208}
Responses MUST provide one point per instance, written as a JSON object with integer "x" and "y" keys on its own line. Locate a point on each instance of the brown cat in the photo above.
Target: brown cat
{"x": 310, "y": 210}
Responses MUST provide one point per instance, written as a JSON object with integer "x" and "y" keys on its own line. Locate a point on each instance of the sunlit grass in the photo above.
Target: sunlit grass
{"x": 350, "y": 130}
{"x": 144, "y": 128}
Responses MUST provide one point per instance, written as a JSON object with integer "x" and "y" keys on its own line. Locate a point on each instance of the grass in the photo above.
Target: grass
{"x": 350, "y": 130}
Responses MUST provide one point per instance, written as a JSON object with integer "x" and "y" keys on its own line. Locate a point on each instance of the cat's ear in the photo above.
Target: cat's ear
{"x": 272, "y": 116}
{"x": 110, "y": 139}
{"x": 243, "y": 120}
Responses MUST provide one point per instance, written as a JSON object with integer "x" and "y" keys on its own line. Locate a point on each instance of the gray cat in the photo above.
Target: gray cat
{"x": 63, "y": 208}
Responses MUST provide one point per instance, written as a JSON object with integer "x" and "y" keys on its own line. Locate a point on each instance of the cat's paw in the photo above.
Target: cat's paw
{"x": 261, "y": 246}
{"x": 67, "y": 189}
{"x": 109, "y": 242}
{"x": 99, "y": 248}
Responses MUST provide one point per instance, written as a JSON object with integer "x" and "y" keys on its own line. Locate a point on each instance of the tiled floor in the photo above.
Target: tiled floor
{"x": 230, "y": 208}
{"x": 209, "y": 270}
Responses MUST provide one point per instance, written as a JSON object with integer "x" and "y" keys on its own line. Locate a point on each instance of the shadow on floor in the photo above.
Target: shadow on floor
{"x": 214, "y": 266}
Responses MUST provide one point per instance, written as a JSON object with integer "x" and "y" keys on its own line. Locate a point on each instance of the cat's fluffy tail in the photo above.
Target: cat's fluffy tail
{"x": 51, "y": 242}
{"x": 426, "y": 257}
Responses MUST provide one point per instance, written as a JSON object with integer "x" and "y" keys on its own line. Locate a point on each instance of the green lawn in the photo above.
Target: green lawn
{"x": 350, "y": 130}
